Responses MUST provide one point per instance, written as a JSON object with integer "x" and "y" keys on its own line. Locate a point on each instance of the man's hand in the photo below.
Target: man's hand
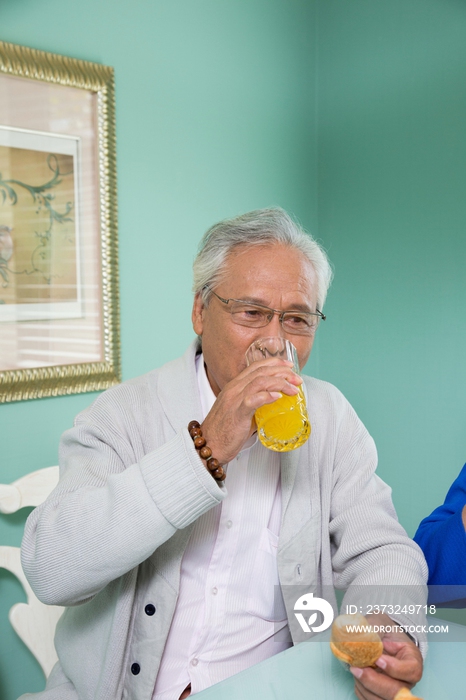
{"x": 230, "y": 421}
{"x": 399, "y": 666}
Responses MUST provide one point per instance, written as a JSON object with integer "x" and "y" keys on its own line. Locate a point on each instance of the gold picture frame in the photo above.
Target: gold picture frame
{"x": 59, "y": 303}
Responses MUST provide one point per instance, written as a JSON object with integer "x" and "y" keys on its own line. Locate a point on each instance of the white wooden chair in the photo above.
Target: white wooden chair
{"x": 33, "y": 621}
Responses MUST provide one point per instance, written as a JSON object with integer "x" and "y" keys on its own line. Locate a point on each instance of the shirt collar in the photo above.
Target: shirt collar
{"x": 205, "y": 390}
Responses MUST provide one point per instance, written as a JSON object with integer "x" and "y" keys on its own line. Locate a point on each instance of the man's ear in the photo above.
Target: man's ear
{"x": 197, "y": 314}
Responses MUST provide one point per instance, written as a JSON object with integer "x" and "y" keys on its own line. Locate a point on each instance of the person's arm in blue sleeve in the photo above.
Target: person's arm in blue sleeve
{"x": 442, "y": 537}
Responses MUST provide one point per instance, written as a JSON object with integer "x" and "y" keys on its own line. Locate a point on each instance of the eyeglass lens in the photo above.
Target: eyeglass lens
{"x": 256, "y": 317}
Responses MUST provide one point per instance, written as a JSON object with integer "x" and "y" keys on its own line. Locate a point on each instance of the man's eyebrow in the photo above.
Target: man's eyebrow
{"x": 295, "y": 307}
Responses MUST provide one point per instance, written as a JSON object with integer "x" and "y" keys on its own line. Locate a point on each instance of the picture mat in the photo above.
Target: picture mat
{"x": 69, "y": 112}
{"x": 56, "y": 144}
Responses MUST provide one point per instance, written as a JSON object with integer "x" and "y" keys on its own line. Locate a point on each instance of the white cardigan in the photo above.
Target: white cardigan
{"x": 111, "y": 536}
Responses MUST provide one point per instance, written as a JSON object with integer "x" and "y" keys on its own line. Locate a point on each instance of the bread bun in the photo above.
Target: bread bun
{"x": 355, "y": 648}
{"x": 405, "y": 694}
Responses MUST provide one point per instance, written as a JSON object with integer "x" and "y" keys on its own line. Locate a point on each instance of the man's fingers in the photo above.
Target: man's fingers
{"x": 373, "y": 685}
{"x": 269, "y": 362}
{"x": 392, "y": 647}
{"x": 271, "y": 374}
{"x": 275, "y": 366}
{"x": 407, "y": 667}
{"x": 259, "y": 396}
{"x": 363, "y": 693}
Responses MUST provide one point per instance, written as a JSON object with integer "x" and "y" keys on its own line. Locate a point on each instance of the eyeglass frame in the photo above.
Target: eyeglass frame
{"x": 281, "y": 314}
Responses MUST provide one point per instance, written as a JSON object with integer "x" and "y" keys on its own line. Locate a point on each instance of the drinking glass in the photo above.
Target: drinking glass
{"x": 284, "y": 424}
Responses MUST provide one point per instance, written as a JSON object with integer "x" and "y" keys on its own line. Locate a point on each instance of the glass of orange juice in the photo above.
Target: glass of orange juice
{"x": 284, "y": 424}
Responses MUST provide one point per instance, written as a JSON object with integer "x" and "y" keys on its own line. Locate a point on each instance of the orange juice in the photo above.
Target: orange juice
{"x": 284, "y": 424}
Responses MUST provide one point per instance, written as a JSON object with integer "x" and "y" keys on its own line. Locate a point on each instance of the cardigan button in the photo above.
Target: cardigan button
{"x": 149, "y": 609}
{"x": 135, "y": 669}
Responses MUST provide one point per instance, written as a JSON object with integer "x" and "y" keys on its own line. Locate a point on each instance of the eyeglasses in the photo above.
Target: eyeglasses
{"x": 243, "y": 313}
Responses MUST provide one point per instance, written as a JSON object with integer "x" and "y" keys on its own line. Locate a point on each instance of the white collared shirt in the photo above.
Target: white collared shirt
{"x": 228, "y": 615}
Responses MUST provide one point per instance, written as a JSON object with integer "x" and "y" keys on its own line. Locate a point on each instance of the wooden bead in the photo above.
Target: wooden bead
{"x": 205, "y": 452}
{"x": 200, "y": 443}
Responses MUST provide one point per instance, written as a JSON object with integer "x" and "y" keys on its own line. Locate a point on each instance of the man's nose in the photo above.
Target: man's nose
{"x": 275, "y": 328}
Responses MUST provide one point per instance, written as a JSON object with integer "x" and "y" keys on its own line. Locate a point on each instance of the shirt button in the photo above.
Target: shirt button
{"x": 135, "y": 668}
{"x": 194, "y": 662}
{"x": 149, "y": 609}
{"x": 229, "y": 524}
{"x": 214, "y": 591}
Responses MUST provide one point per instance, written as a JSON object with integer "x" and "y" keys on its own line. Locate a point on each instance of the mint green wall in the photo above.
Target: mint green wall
{"x": 215, "y": 116}
{"x": 392, "y": 212}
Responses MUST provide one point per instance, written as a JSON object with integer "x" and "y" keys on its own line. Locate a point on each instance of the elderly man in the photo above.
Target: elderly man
{"x": 169, "y": 569}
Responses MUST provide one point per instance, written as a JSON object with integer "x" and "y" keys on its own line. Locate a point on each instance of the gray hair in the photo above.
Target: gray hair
{"x": 259, "y": 227}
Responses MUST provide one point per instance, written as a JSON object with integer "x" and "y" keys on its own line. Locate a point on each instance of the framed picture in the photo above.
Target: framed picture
{"x": 59, "y": 307}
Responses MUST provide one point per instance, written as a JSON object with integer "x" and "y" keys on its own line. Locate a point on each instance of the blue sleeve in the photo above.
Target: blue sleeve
{"x": 442, "y": 538}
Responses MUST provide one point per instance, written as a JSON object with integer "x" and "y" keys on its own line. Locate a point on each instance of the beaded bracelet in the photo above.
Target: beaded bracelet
{"x": 205, "y": 453}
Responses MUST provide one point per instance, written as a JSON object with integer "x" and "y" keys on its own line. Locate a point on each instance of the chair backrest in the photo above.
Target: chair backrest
{"x": 33, "y": 621}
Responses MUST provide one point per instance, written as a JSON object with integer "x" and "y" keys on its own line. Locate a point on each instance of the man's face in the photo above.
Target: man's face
{"x": 273, "y": 275}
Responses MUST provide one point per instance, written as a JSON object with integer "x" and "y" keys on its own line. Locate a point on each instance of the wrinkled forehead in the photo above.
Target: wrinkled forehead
{"x": 282, "y": 266}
